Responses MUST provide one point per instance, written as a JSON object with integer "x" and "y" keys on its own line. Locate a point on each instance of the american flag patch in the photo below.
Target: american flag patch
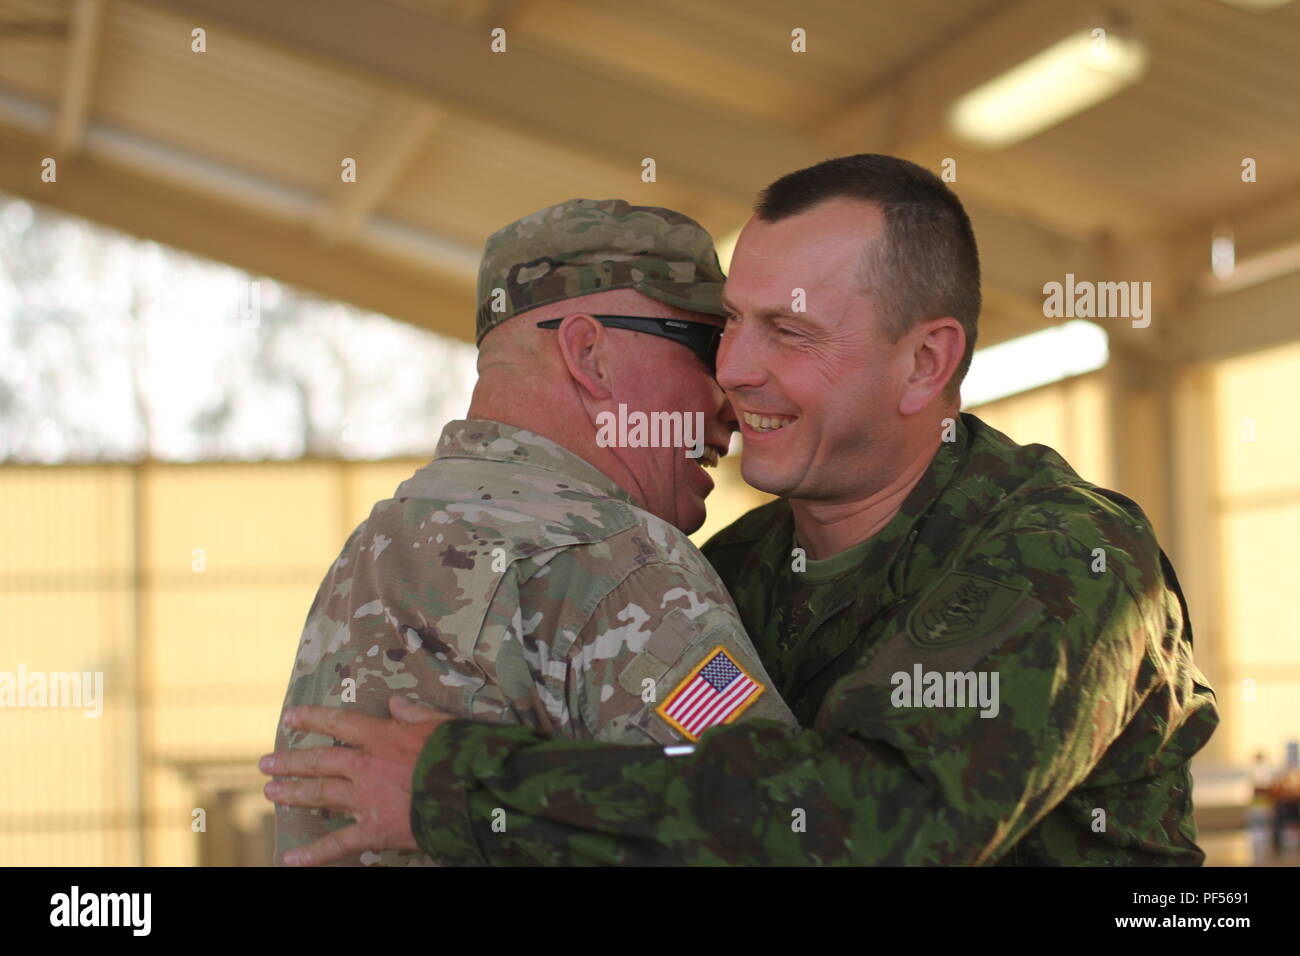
{"x": 716, "y": 692}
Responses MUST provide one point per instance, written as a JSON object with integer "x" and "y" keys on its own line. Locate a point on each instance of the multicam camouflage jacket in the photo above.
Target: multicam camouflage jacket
{"x": 1003, "y": 571}
{"x": 512, "y": 582}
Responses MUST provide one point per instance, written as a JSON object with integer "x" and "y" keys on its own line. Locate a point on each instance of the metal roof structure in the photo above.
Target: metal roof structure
{"x": 235, "y": 152}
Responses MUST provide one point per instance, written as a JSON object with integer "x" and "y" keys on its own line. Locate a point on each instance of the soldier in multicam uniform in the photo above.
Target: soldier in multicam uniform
{"x": 910, "y": 542}
{"x": 527, "y": 575}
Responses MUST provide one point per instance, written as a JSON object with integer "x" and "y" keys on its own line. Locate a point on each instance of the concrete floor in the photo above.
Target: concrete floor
{"x": 1238, "y": 848}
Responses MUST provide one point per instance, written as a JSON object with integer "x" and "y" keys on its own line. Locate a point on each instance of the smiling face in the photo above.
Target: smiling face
{"x": 652, "y": 375}
{"x": 817, "y": 391}
{"x": 558, "y": 371}
{"x": 617, "y": 374}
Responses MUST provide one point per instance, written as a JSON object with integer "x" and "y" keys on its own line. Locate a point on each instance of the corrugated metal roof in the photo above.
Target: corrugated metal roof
{"x": 1164, "y": 155}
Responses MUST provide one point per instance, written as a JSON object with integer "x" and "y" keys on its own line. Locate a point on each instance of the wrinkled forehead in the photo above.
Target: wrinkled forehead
{"x": 824, "y": 246}
{"x": 819, "y": 282}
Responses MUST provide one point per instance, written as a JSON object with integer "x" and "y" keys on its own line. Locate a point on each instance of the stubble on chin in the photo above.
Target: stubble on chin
{"x": 767, "y": 479}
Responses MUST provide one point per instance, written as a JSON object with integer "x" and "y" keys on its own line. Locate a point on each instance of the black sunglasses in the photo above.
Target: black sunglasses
{"x": 700, "y": 337}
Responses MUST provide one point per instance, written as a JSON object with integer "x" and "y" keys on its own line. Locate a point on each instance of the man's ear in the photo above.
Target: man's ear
{"x": 583, "y": 344}
{"x": 937, "y": 346}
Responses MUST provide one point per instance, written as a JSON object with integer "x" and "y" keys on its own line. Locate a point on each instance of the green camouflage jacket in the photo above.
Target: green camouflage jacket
{"x": 1003, "y": 572}
{"x": 512, "y": 582}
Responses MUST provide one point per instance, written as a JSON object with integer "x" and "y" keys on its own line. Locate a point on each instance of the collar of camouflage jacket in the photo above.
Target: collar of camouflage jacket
{"x": 880, "y": 585}
{"x": 488, "y": 440}
{"x": 948, "y": 463}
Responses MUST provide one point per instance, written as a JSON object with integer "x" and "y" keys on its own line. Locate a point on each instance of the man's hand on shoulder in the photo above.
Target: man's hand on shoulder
{"x": 370, "y": 780}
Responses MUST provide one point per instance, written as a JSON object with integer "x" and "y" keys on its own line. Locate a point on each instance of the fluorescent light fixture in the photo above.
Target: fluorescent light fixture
{"x": 1223, "y": 253}
{"x": 1066, "y": 78}
{"x": 1245, "y": 273}
{"x": 1260, "y": 5}
{"x": 1034, "y": 360}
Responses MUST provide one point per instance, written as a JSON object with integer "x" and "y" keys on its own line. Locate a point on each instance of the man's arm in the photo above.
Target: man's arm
{"x": 881, "y": 780}
{"x": 662, "y": 656}
{"x": 639, "y": 669}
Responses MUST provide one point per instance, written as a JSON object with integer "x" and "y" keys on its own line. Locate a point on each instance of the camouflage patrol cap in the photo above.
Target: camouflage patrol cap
{"x": 595, "y": 245}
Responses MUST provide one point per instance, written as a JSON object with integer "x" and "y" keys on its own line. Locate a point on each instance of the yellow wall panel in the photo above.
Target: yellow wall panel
{"x": 1089, "y": 429}
{"x": 73, "y": 520}
{"x": 174, "y": 845}
{"x": 65, "y": 630}
{"x": 369, "y": 482}
{"x": 227, "y": 637}
{"x": 1258, "y": 513}
{"x": 217, "y": 730}
{"x": 65, "y": 847}
{"x": 242, "y": 517}
{"x": 1260, "y": 716}
{"x": 1260, "y": 585}
{"x": 170, "y": 781}
{"x": 69, "y": 763}
{"x": 1256, "y": 422}
{"x": 219, "y": 643}
{"x": 1070, "y": 417}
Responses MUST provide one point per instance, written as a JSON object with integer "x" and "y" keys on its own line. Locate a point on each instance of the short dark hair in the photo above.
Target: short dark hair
{"x": 927, "y": 266}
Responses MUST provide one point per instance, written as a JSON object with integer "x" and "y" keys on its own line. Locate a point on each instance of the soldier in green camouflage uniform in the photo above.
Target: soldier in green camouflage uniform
{"x": 978, "y": 571}
{"x": 1000, "y": 575}
{"x": 510, "y": 580}
{"x": 1000, "y": 568}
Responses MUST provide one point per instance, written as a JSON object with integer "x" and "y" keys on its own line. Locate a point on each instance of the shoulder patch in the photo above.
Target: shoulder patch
{"x": 717, "y": 691}
{"x": 961, "y": 607}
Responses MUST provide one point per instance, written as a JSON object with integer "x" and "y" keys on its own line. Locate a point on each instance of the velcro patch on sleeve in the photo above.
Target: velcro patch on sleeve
{"x": 715, "y": 692}
{"x": 961, "y": 608}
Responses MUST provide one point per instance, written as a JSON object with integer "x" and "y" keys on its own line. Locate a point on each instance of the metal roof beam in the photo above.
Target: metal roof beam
{"x": 78, "y": 76}
{"x": 189, "y": 218}
{"x": 384, "y": 153}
